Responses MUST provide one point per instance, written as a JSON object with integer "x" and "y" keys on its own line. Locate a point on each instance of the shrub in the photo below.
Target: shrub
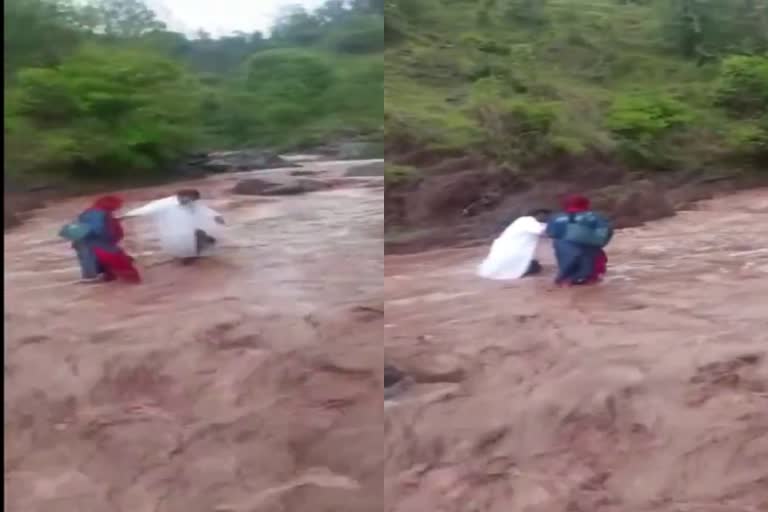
{"x": 743, "y": 86}
{"x": 512, "y": 130}
{"x": 365, "y": 35}
{"x": 643, "y": 125}
{"x": 750, "y": 141}
{"x": 103, "y": 112}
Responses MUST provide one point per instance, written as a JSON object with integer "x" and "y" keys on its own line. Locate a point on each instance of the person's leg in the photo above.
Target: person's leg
{"x": 89, "y": 265}
{"x": 533, "y": 269}
{"x": 117, "y": 265}
{"x": 203, "y": 241}
{"x": 585, "y": 269}
{"x": 567, "y": 255}
{"x": 108, "y": 275}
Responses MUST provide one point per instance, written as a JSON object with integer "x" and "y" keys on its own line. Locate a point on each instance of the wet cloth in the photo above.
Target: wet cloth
{"x": 600, "y": 268}
{"x": 184, "y": 230}
{"x": 513, "y": 251}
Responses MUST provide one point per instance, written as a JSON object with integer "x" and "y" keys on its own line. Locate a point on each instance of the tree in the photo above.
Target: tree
{"x": 106, "y": 112}
{"x": 298, "y": 26}
{"x": 743, "y": 86}
{"x": 121, "y": 18}
{"x": 37, "y": 33}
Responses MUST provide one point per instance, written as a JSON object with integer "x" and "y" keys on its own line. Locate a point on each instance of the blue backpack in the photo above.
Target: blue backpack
{"x": 589, "y": 229}
{"x": 75, "y": 231}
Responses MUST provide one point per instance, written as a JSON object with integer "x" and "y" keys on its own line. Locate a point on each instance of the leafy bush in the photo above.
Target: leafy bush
{"x": 100, "y": 88}
{"x": 104, "y": 112}
{"x": 743, "y": 86}
{"x": 36, "y": 33}
{"x": 363, "y": 35}
{"x": 289, "y": 73}
{"x": 646, "y": 117}
{"x": 750, "y": 141}
{"x": 398, "y": 174}
{"x": 643, "y": 124}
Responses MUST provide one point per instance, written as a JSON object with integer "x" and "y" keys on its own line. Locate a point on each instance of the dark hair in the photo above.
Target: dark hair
{"x": 538, "y": 212}
{"x": 189, "y": 192}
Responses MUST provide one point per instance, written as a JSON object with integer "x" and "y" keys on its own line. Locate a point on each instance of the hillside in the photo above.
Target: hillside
{"x": 658, "y": 84}
{"x": 589, "y": 91}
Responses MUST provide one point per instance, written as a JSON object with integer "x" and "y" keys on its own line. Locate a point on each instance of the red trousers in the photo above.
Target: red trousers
{"x": 601, "y": 267}
{"x": 117, "y": 265}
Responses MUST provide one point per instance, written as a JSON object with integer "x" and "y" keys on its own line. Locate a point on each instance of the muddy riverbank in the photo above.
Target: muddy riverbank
{"x": 465, "y": 201}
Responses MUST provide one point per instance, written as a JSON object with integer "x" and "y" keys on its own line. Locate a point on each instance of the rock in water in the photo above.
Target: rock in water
{"x": 244, "y": 160}
{"x": 259, "y": 187}
{"x": 395, "y": 382}
{"x": 392, "y": 376}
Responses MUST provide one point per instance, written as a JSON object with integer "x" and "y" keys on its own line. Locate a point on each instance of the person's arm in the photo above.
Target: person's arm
{"x": 607, "y": 226}
{"x": 213, "y": 214}
{"x": 97, "y": 221}
{"x": 150, "y": 208}
{"x": 116, "y": 229}
{"x": 554, "y": 228}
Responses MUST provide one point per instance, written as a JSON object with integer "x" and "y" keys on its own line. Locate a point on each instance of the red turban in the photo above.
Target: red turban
{"x": 576, "y": 204}
{"x": 108, "y": 203}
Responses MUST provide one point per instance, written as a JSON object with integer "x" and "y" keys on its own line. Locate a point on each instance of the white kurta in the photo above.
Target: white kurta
{"x": 176, "y": 224}
{"x": 512, "y": 252}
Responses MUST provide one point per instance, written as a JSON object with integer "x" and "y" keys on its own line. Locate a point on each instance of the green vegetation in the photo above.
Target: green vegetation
{"x": 101, "y": 89}
{"x": 657, "y": 84}
{"x": 396, "y": 174}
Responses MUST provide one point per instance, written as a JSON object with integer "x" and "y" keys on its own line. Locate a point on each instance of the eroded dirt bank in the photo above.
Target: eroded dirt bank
{"x": 648, "y": 393}
{"x": 465, "y": 200}
{"x": 249, "y": 383}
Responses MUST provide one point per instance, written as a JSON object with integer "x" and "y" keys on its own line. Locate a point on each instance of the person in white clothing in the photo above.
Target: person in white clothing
{"x": 185, "y": 226}
{"x": 513, "y": 253}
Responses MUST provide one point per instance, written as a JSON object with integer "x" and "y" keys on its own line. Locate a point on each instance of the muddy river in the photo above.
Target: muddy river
{"x": 646, "y": 394}
{"x": 252, "y": 381}
{"x": 248, "y": 383}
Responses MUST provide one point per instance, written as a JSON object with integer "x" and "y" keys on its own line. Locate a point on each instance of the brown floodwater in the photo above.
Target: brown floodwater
{"x": 248, "y": 383}
{"x": 648, "y": 393}
{"x": 252, "y": 382}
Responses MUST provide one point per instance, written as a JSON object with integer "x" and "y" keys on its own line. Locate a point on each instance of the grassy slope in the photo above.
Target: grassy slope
{"x": 588, "y": 53}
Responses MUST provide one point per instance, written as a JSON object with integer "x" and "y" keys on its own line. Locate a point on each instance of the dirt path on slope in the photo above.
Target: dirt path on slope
{"x": 646, "y": 394}
{"x": 251, "y": 382}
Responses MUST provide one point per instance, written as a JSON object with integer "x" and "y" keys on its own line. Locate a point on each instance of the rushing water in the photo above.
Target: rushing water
{"x": 249, "y": 382}
{"x": 648, "y": 393}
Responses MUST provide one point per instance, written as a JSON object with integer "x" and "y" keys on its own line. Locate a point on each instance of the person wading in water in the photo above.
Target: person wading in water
{"x": 95, "y": 237}
{"x": 579, "y": 236}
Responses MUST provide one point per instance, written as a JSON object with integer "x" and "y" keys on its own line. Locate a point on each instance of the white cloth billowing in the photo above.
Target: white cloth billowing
{"x": 512, "y": 252}
{"x": 176, "y": 224}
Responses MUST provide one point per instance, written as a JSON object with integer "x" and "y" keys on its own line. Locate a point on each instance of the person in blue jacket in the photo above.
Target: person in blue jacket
{"x": 95, "y": 237}
{"x": 578, "y": 236}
